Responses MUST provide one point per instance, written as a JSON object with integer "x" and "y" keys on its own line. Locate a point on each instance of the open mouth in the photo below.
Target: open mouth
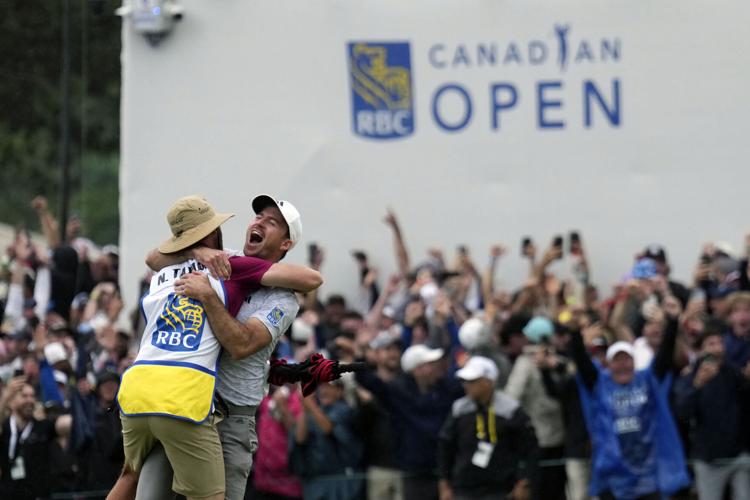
{"x": 256, "y": 237}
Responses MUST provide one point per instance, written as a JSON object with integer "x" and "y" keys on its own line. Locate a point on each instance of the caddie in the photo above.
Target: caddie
{"x": 167, "y": 395}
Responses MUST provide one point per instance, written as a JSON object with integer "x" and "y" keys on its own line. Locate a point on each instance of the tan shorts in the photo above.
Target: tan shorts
{"x": 194, "y": 451}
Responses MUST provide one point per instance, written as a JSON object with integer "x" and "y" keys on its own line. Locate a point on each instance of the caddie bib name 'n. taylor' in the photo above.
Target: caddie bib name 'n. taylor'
{"x": 174, "y": 374}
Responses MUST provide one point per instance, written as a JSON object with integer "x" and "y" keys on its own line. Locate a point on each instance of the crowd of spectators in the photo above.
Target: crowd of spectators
{"x": 62, "y": 352}
{"x": 553, "y": 389}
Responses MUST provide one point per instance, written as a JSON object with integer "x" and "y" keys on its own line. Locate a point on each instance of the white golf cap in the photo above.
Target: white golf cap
{"x": 418, "y": 355}
{"x": 288, "y": 211}
{"x": 302, "y": 330}
{"x": 618, "y": 347}
{"x": 472, "y": 333}
{"x": 60, "y": 377}
{"x": 55, "y": 352}
{"x": 478, "y": 367}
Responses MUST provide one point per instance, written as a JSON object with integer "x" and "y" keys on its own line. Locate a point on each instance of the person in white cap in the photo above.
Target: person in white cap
{"x": 636, "y": 450}
{"x": 476, "y": 337}
{"x": 166, "y": 396}
{"x": 248, "y": 341}
{"x": 418, "y": 402}
{"x": 487, "y": 448}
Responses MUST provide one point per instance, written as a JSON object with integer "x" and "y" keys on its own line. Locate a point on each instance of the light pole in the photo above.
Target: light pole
{"x": 65, "y": 121}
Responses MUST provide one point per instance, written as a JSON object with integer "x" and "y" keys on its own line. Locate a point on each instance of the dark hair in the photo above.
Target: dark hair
{"x": 351, "y": 315}
{"x": 514, "y": 325}
{"x": 706, "y": 334}
{"x": 561, "y": 329}
{"x": 421, "y": 322}
{"x": 336, "y": 300}
{"x": 713, "y": 327}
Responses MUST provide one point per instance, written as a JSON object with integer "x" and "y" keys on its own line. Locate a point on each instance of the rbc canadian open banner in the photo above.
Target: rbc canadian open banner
{"x": 476, "y": 121}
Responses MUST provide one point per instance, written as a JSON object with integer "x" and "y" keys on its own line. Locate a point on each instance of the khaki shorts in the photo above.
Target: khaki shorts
{"x": 194, "y": 451}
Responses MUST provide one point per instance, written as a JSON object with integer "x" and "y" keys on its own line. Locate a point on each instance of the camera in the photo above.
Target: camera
{"x": 557, "y": 243}
{"x": 707, "y": 358}
{"x": 359, "y": 256}
{"x": 574, "y": 242}
{"x": 525, "y": 244}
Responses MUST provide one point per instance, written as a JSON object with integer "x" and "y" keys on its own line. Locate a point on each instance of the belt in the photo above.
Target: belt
{"x": 226, "y": 408}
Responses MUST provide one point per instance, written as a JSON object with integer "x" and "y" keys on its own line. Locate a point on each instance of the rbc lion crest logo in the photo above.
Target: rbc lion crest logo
{"x": 380, "y": 76}
{"x": 275, "y": 316}
{"x": 180, "y": 325}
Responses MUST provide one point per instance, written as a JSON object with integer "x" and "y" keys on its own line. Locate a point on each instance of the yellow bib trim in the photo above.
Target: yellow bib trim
{"x": 167, "y": 389}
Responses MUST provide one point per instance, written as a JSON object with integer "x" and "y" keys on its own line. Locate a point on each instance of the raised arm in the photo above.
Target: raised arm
{"x": 552, "y": 254}
{"x": 402, "y": 255}
{"x": 316, "y": 259}
{"x": 586, "y": 369}
{"x": 47, "y": 221}
{"x": 13, "y": 386}
{"x": 617, "y": 321}
{"x": 664, "y": 359}
{"x": 488, "y": 282}
{"x": 373, "y": 316}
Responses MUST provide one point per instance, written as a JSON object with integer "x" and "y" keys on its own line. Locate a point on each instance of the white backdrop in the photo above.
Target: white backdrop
{"x": 249, "y": 97}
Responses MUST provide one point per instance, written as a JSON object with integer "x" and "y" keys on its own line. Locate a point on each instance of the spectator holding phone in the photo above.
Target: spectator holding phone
{"x": 737, "y": 338}
{"x": 324, "y": 444}
{"x": 276, "y": 417}
{"x": 526, "y": 385}
{"x": 713, "y": 398}
{"x": 26, "y": 444}
{"x": 658, "y": 254}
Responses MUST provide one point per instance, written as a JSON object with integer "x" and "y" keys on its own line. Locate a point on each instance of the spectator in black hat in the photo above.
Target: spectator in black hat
{"x": 658, "y": 254}
{"x": 102, "y": 458}
{"x": 512, "y": 338}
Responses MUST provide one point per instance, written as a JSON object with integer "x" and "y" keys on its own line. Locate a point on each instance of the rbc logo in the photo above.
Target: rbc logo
{"x": 380, "y": 76}
{"x": 180, "y": 325}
